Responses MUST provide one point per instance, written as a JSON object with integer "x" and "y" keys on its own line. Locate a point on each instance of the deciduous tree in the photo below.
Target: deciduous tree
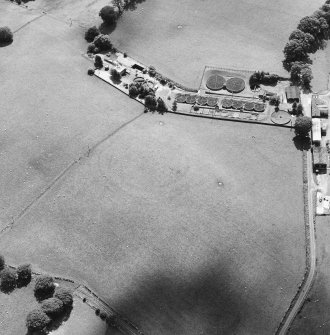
{"x": 109, "y": 15}
{"x": 37, "y": 320}
{"x": 103, "y": 42}
{"x": 303, "y": 125}
{"x": 91, "y": 33}
{"x": 24, "y": 274}
{"x": 8, "y": 279}
{"x": 150, "y": 102}
{"x": 65, "y": 295}
{"x": 6, "y": 36}
{"x": 44, "y": 287}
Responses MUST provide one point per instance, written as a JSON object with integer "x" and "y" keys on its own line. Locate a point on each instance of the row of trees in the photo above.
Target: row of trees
{"x": 54, "y": 304}
{"x": 11, "y": 278}
{"x": 310, "y": 36}
{"x": 263, "y": 78}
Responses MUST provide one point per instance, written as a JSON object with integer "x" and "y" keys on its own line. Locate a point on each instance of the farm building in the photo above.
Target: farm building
{"x": 324, "y": 127}
{"x": 324, "y": 113}
{"x": 129, "y": 62}
{"x": 316, "y": 131}
{"x": 320, "y": 159}
{"x": 292, "y": 93}
{"x": 319, "y": 108}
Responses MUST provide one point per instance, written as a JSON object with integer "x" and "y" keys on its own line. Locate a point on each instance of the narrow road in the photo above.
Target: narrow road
{"x": 302, "y": 295}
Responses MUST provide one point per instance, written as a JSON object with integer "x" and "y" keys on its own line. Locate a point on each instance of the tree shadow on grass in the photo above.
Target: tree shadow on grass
{"x": 56, "y": 323}
{"x": 107, "y": 29}
{"x": 302, "y": 143}
{"x": 5, "y": 44}
{"x": 210, "y": 302}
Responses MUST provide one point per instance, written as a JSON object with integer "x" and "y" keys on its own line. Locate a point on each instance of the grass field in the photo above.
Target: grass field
{"x": 145, "y": 222}
{"x": 241, "y": 33}
{"x": 185, "y": 225}
{"x": 14, "y": 308}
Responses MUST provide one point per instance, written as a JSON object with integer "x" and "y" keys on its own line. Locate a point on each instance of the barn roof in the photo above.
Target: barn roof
{"x": 292, "y": 92}
{"x": 320, "y": 155}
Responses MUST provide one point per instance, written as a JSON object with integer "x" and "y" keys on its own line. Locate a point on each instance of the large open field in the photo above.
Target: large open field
{"x": 186, "y": 225}
{"x": 247, "y": 34}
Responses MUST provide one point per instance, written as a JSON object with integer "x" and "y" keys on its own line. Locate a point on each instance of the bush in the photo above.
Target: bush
{"x": 152, "y": 71}
{"x": 150, "y": 102}
{"x": 91, "y": 33}
{"x": 303, "y": 125}
{"x": 300, "y": 109}
{"x": 24, "y": 274}
{"x": 109, "y": 15}
{"x": 65, "y": 295}
{"x": 175, "y": 106}
{"x": 103, "y": 315}
{"x": 2, "y": 262}
{"x": 112, "y": 321}
{"x": 8, "y": 279}
{"x": 6, "y": 36}
{"x": 294, "y": 108}
{"x": 52, "y": 307}
{"x": 196, "y": 108}
{"x": 161, "y": 106}
{"x": 133, "y": 91}
{"x": 37, "y": 320}
{"x": 115, "y": 75}
{"x": 98, "y": 62}
{"x": 97, "y": 311}
{"x": 91, "y": 48}
{"x": 102, "y": 42}
{"x": 90, "y": 72}
{"x": 44, "y": 287}
{"x": 274, "y": 100}
{"x": 260, "y": 77}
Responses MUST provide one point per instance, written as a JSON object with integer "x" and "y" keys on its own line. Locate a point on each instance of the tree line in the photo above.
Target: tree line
{"x": 311, "y": 35}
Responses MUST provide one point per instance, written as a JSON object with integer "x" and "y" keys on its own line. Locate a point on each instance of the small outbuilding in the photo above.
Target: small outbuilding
{"x": 320, "y": 159}
{"x": 324, "y": 112}
{"x": 324, "y": 127}
{"x": 316, "y": 131}
{"x": 292, "y": 93}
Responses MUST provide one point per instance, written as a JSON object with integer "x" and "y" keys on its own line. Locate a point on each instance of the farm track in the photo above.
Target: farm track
{"x": 301, "y": 296}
